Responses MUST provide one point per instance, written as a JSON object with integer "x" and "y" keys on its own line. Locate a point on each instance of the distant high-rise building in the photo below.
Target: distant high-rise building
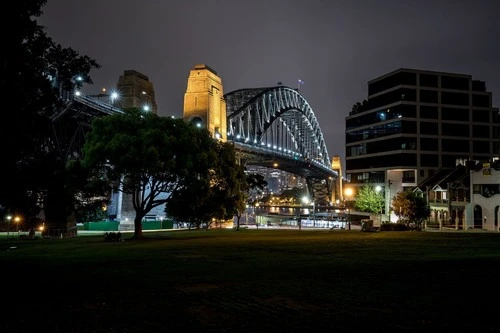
{"x": 415, "y": 122}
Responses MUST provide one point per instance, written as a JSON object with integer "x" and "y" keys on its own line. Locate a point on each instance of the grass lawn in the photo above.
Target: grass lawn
{"x": 253, "y": 281}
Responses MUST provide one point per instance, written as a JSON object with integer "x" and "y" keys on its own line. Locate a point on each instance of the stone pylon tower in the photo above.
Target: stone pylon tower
{"x": 337, "y": 193}
{"x": 204, "y": 102}
{"x": 136, "y": 90}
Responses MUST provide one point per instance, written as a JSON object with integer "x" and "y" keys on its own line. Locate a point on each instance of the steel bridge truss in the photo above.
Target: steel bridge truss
{"x": 72, "y": 122}
{"x": 275, "y": 127}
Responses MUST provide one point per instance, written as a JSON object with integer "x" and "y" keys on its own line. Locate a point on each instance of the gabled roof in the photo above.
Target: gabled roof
{"x": 432, "y": 180}
{"x": 443, "y": 177}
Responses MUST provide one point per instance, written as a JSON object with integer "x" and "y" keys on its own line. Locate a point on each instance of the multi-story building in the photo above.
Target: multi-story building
{"x": 415, "y": 122}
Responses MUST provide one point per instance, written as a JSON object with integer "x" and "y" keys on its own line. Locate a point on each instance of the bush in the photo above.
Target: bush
{"x": 113, "y": 236}
{"x": 393, "y": 227}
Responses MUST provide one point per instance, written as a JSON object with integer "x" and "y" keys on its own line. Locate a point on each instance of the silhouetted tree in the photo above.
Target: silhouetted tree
{"x": 217, "y": 193}
{"x": 253, "y": 183}
{"x": 148, "y": 157}
{"x": 34, "y": 73}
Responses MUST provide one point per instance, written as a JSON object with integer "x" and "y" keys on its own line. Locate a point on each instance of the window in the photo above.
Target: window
{"x": 428, "y": 96}
{"x": 429, "y": 80}
{"x": 452, "y": 82}
{"x": 428, "y": 144}
{"x": 481, "y": 147}
{"x": 455, "y": 145}
{"x": 429, "y": 160}
{"x": 430, "y": 112}
{"x": 428, "y": 128}
{"x": 454, "y": 98}
{"x": 481, "y": 100}
{"x": 480, "y": 131}
{"x": 482, "y": 116}
{"x": 454, "y": 114}
{"x": 489, "y": 190}
{"x": 454, "y": 129}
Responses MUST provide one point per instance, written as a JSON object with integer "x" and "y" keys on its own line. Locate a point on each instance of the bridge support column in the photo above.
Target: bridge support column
{"x": 204, "y": 101}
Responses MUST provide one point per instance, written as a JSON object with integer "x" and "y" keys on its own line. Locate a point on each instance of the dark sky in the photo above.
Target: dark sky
{"x": 335, "y": 47}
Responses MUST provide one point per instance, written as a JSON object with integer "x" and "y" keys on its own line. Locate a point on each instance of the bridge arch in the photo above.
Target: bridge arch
{"x": 277, "y": 123}
{"x": 251, "y": 114}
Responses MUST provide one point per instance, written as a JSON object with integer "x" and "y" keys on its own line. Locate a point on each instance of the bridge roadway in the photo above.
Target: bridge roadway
{"x": 272, "y": 127}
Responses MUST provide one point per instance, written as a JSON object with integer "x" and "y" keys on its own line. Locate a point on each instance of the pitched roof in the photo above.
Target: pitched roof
{"x": 443, "y": 177}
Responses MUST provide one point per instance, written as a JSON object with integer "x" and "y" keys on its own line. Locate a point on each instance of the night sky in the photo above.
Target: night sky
{"x": 334, "y": 47}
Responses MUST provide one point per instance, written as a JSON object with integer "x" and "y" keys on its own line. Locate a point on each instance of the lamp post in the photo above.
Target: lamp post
{"x": 17, "y": 220}
{"x": 9, "y": 218}
{"x": 305, "y": 200}
{"x": 348, "y": 193}
{"x": 378, "y": 189}
{"x": 314, "y": 213}
{"x": 255, "y": 215}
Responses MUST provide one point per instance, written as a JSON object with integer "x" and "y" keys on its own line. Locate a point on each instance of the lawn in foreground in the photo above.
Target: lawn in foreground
{"x": 253, "y": 281}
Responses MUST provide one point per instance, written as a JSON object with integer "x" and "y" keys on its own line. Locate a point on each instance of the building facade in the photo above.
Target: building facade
{"x": 484, "y": 212}
{"x": 415, "y": 122}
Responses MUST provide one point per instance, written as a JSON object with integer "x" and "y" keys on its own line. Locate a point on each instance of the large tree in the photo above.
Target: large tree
{"x": 35, "y": 75}
{"x": 147, "y": 156}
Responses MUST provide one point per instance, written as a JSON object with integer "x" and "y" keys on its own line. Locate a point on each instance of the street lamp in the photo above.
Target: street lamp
{"x": 17, "y": 220}
{"x": 348, "y": 192}
{"x": 306, "y": 201}
{"x": 9, "y": 217}
{"x": 378, "y": 189}
{"x": 255, "y": 215}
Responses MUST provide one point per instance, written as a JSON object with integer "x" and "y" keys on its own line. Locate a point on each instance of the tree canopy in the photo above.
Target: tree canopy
{"x": 410, "y": 208}
{"x": 150, "y": 157}
{"x": 217, "y": 193}
{"x": 370, "y": 200}
{"x": 38, "y": 75}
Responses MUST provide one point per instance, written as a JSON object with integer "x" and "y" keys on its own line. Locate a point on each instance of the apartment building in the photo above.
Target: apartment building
{"x": 416, "y": 122}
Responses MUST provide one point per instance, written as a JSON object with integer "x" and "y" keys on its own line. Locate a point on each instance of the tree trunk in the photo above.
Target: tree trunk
{"x": 138, "y": 227}
{"x": 238, "y": 216}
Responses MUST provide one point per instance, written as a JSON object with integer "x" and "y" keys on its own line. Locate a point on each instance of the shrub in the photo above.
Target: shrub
{"x": 393, "y": 227}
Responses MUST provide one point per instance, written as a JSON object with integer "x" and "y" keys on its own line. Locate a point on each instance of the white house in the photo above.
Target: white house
{"x": 484, "y": 212}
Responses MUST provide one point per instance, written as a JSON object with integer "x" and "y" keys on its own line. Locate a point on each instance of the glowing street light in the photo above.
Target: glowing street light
{"x": 348, "y": 192}
{"x": 17, "y": 220}
{"x": 378, "y": 189}
{"x": 114, "y": 96}
{"x": 306, "y": 201}
{"x": 9, "y": 218}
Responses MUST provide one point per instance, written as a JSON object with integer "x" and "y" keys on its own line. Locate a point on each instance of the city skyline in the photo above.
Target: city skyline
{"x": 333, "y": 48}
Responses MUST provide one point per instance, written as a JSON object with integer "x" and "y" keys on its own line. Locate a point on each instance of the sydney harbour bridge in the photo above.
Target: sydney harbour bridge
{"x": 271, "y": 127}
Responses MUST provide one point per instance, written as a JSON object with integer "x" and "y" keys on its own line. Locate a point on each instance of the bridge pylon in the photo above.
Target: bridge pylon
{"x": 136, "y": 91}
{"x": 337, "y": 190}
{"x": 204, "y": 102}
